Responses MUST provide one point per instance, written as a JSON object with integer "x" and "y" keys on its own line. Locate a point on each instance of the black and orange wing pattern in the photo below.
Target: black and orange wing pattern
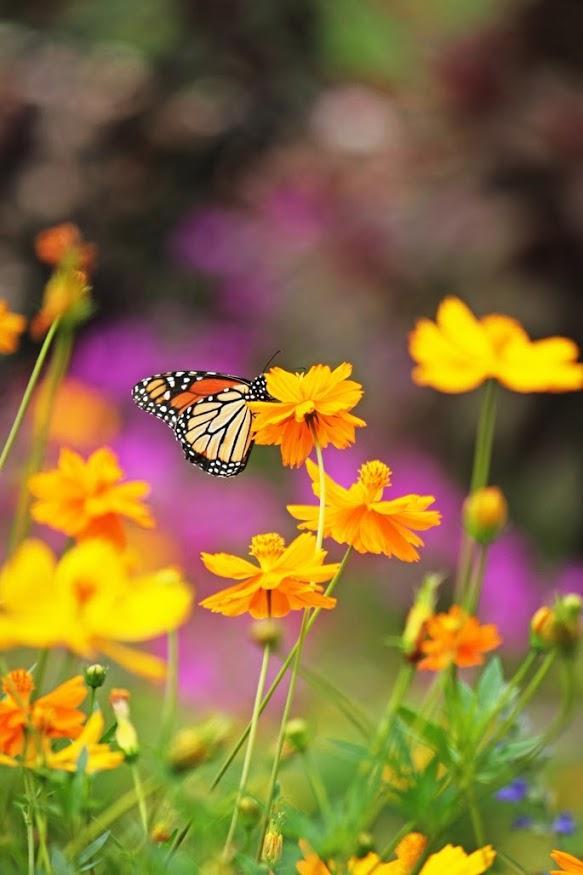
{"x": 208, "y": 414}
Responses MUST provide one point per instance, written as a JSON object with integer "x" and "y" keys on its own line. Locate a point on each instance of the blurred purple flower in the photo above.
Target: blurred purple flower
{"x": 564, "y": 824}
{"x": 514, "y": 792}
{"x": 296, "y": 214}
{"x": 219, "y": 242}
{"x": 511, "y": 591}
{"x": 523, "y": 821}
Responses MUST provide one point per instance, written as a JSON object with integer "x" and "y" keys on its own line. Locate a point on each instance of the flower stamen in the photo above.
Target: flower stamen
{"x": 268, "y": 546}
{"x": 374, "y": 476}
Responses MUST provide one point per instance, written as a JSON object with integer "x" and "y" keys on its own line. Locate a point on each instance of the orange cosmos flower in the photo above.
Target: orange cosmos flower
{"x": 358, "y": 516}
{"x": 11, "y": 327}
{"x": 82, "y": 416}
{"x": 567, "y": 862}
{"x": 307, "y": 407}
{"x": 86, "y": 498}
{"x": 55, "y": 715}
{"x": 458, "y": 352}
{"x": 456, "y": 638}
{"x": 283, "y": 579}
{"x": 62, "y": 242}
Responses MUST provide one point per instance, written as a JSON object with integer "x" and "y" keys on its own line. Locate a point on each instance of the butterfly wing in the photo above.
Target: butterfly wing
{"x": 208, "y": 413}
{"x": 215, "y": 432}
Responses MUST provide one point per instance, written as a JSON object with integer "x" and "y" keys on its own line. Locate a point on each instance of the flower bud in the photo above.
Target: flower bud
{"x": 125, "y": 733}
{"x": 365, "y": 843}
{"x": 197, "y": 744}
{"x": 423, "y": 608}
{"x": 249, "y": 809}
{"x": 95, "y": 675}
{"x": 485, "y": 513}
{"x": 559, "y": 625}
{"x": 297, "y": 734}
{"x": 266, "y": 633}
{"x": 160, "y": 833}
{"x": 272, "y": 844}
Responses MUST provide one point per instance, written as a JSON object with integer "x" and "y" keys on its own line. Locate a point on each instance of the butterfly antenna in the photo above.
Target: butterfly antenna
{"x": 275, "y": 354}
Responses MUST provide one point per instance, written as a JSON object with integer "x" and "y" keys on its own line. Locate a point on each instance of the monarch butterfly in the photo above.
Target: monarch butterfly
{"x": 208, "y": 414}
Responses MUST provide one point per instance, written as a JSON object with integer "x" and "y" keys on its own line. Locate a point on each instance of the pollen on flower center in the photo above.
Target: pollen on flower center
{"x": 374, "y": 475}
{"x": 18, "y": 682}
{"x": 268, "y": 546}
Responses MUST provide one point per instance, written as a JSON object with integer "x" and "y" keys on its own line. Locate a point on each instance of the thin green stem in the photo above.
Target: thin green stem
{"x": 398, "y": 693}
{"x": 511, "y": 862}
{"x": 525, "y": 697}
{"x": 56, "y": 372}
{"x": 171, "y": 690}
{"x": 28, "y": 816}
{"x": 28, "y": 394}
{"x": 474, "y": 588}
{"x": 249, "y": 752}
{"x": 139, "y": 789}
{"x": 281, "y": 736}
{"x": 41, "y": 669}
{"x": 91, "y": 705}
{"x": 485, "y": 437}
{"x": 297, "y": 659}
{"x": 480, "y": 474}
{"x": 476, "y": 819}
{"x": 347, "y": 706}
{"x": 116, "y": 810}
{"x": 316, "y": 784}
{"x": 279, "y": 677}
{"x": 513, "y": 685}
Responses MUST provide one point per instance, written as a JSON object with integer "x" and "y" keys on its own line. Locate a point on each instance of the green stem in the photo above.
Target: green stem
{"x": 476, "y": 819}
{"x": 281, "y": 736}
{"x": 347, "y": 706}
{"x": 57, "y": 370}
{"x": 525, "y": 697}
{"x": 171, "y": 690}
{"x": 398, "y": 693}
{"x": 120, "y": 807}
{"x": 513, "y": 684}
{"x": 474, "y": 589}
{"x": 248, "y": 753}
{"x": 28, "y": 816}
{"x": 317, "y": 785}
{"x": 278, "y": 678}
{"x": 511, "y": 862}
{"x": 485, "y": 437}
{"x": 480, "y": 474}
{"x": 41, "y": 669}
{"x": 28, "y": 394}
{"x": 91, "y": 701}
{"x": 139, "y": 790}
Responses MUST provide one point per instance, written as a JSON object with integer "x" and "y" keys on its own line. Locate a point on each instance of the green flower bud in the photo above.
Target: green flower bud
{"x": 297, "y": 734}
{"x": 95, "y": 675}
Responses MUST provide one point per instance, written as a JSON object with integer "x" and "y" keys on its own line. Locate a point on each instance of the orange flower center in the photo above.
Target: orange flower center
{"x": 267, "y": 547}
{"x": 374, "y": 476}
{"x": 410, "y": 849}
{"x": 18, "y": 684}
{"x": 85, "y": 589}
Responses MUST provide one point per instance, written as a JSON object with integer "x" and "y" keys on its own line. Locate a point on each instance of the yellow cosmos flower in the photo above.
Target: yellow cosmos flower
{"x": 11, "y": 327}
{"x": 86, "y": 499}
{"x": 282, "y": 579}
{"x": 89, "y": 603}
{"x": 449, "y": 861}
{"x": 567, "y": 862}
{"x": 310, "y": 406}
{"x": 458, "y": 352}
{"x": 358, "y": 516}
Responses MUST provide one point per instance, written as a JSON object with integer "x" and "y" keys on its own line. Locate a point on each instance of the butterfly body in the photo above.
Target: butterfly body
{"x": 208, "y": 413}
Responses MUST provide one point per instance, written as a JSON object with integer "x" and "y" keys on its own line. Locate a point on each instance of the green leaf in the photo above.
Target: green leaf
{"x": 490, "y": 686}
{"x": 94, "y": 847}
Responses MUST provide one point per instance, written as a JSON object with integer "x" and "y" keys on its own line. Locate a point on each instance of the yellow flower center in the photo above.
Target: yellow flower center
{"x": 410, "y": 849}
{"x": 374, "y": 476}
{"x": 18, "y": 683}
{"x": 304, "y": 410}
{"x": 267, "y": 547}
